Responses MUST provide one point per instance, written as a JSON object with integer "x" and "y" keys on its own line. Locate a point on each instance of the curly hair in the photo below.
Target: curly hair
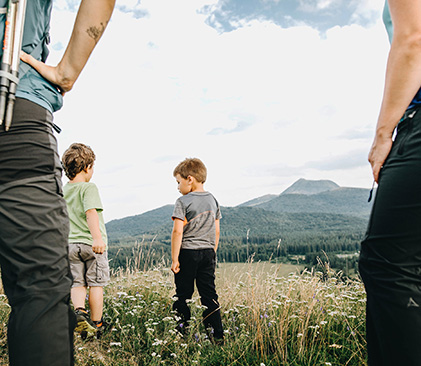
{"x": 77, "y": 158}
{"x": 193, "y": 167}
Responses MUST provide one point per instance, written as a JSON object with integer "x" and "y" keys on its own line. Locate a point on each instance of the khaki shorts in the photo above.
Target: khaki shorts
{"x": 88, "y": 268}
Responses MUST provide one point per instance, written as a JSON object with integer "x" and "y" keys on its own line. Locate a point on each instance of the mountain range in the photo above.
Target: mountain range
{"x": 307, "y": 206}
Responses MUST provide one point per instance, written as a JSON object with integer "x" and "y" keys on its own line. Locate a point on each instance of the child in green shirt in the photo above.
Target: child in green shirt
{"x": 87, "y": 238}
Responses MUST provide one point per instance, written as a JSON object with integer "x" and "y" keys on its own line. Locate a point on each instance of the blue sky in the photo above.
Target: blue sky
{"x": 265, "y": 92}
{"x": 229, "y": 15}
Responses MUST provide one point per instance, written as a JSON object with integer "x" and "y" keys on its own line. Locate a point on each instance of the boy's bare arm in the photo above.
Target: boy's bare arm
{"x": 217, "y": 233}
{"x": 176, "y": 238}
{"x": 98, "y": 246}
{"x": 91, "y": 21}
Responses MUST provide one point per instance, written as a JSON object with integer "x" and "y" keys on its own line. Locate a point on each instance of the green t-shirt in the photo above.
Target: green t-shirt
{"x": 81, "y": 197}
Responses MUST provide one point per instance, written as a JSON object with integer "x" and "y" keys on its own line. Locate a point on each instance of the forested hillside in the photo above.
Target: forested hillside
{"x": 299, "y": 225}
{"x": 236, "y": 222}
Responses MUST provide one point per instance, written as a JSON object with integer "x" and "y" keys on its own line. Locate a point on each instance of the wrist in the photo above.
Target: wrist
{"x": 383, "y": 134}
{"x": 65, "y": 77}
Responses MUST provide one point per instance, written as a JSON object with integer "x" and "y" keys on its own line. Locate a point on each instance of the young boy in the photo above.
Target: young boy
{"x": 87, "y": 239}
{"x": 194, "y": 242}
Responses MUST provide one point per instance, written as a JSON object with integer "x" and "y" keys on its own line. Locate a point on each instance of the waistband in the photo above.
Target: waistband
{"x": 27, "y": 111}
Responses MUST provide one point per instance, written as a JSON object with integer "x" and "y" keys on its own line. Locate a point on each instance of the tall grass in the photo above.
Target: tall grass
{"x": 270, "y": 318}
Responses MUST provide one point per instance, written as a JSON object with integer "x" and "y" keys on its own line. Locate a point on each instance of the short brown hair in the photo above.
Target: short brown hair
{"x": 76, "y": 158}
{"x": 193, "y": 167}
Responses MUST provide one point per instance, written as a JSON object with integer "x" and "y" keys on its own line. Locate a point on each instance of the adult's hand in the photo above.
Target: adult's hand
{"x": 91, "y": 21}
{"x": 53, "y": 74}
{"x": 378, "y": 153}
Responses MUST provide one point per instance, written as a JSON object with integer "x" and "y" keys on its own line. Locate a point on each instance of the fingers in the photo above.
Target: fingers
{"x": 375, "y": 168}
{"x": 175, "y": 268}
{"x": 47, "y": 72}
{"x": 376, "y": 172}
{"x": 30, "y": 60}
{"x": 98, "y": 250}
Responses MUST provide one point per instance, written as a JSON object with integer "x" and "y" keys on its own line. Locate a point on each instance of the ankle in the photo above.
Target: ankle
{"x": 98, "y": 322}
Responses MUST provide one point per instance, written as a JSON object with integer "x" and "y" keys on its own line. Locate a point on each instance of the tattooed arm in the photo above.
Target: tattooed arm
{"x": 91, "y": 21}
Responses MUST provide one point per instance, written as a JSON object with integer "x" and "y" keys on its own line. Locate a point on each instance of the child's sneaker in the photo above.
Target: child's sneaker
{"x": 101, "y": 327}
{"x": 215, "y": 339}
{"x": 84, "y": 324}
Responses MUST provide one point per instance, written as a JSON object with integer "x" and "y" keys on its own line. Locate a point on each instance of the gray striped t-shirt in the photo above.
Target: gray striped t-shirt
{"x": 198, "y": 210}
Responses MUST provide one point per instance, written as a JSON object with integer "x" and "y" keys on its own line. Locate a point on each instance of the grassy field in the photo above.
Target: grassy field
{"x": 272, "y": 314}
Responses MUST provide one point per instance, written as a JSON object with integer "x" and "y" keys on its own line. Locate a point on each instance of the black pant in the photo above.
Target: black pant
{"x": 33, "y": 241}
{"x": 198, "y": 265}
{"x": 390, "y": 259}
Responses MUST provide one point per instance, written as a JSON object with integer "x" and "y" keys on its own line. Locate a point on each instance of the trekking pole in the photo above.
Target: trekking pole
{"x": 17, "y": 46}
{"x": 7, "y": 56}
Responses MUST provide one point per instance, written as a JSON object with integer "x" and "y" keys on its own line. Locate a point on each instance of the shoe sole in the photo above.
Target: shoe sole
{"x": 84, "y": 326}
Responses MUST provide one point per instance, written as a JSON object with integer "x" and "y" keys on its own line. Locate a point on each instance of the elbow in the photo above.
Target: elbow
{"x": 177, "y": 233}
{"x": 409, "y": 43}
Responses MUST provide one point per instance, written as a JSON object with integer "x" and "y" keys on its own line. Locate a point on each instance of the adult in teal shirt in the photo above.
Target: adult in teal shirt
{"x": 390, "y": 259}
{"x": 33, "y": 216}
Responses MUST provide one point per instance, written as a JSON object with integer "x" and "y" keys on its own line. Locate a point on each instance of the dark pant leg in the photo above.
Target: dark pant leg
{"x": 33, "y": 242}
{"x": 390, "y": 260}
{"x": 205, "y": 281}
{"x": 184, "y": 283}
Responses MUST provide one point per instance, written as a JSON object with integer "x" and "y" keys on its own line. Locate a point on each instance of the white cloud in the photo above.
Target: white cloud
{"x": 156, "y": 86}
{"x": 314, "y": 5}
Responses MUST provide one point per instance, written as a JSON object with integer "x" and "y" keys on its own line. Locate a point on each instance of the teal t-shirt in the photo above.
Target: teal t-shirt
{"x": 81, "y": 197}
{"x": 32, "y": 86}
{"x": 387, "y": 20}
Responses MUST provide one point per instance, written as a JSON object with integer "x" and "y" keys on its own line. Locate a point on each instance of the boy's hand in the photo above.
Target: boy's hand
{"x": 98, "y": 246}
{"x": 175, "y": 267}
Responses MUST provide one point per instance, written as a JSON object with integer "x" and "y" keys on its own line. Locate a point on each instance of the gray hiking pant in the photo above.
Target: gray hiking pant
{"x": 33, "y": 241}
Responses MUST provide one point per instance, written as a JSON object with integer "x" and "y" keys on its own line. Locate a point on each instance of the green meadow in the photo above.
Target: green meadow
{"x": 273, "y": 314}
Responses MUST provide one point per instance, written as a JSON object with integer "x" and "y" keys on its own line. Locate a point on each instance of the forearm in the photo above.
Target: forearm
{"x": 217, "y": 234}
{"x": 91, "y": 21}
{"x": 176, "y": 239}
{"x": 403, "y": 74}
{"x": 216, "y": 242}
{"x": 92, "y": 219}
{"x": 403, "y": 79}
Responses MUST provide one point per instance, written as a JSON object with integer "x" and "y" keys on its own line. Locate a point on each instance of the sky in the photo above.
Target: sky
{"x": 264, "y": 92}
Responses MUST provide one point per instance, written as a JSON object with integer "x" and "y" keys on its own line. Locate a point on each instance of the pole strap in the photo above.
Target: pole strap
{"x": 10, "y": 76}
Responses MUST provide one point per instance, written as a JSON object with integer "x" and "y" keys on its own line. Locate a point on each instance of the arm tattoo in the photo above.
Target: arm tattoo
{"x": 96, "y": 32}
